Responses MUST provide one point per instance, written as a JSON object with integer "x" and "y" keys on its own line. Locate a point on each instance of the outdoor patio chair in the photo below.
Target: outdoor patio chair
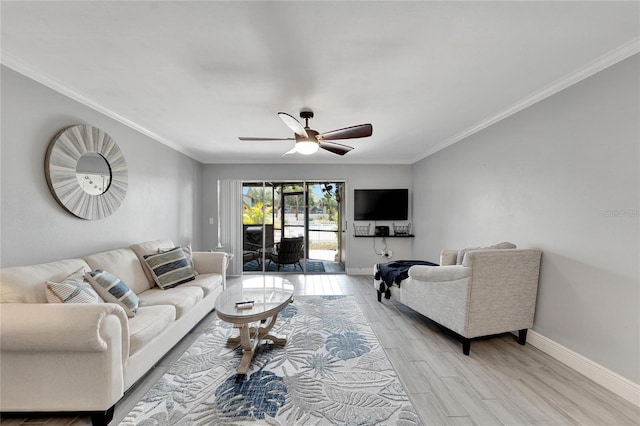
{"x": 288, "y": 251}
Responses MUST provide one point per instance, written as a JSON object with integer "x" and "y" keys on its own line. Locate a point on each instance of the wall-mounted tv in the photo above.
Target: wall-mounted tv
{"x": 380, "y": 204}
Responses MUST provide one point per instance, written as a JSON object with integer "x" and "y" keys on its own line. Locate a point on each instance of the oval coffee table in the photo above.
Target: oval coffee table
{"x": 270, "y": 295}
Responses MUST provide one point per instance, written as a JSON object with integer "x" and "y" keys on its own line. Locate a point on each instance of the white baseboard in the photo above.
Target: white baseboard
{"x": 617, "y": 384}
{"x": 610, "y": 380}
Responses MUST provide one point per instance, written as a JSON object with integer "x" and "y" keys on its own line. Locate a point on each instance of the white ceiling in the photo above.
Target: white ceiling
{"x": 196, "y": 75}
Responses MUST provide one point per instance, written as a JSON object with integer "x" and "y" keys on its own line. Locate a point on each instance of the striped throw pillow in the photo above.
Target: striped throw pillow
{"x": 113, "y": 290}
{"x": 73, "y": 289}
{"x": 170, "y": 268}
{"x": 188, "y": 252}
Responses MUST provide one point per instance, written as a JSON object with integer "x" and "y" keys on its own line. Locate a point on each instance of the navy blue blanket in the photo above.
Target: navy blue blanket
{"x": 394, "y": 272}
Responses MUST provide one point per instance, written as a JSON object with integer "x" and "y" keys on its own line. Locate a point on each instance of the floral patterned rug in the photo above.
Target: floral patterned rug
{"x": 331, "y": 371}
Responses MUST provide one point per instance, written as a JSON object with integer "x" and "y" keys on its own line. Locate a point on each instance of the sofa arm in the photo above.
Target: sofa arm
{"x": 439, "y": 273}
{"x": 208, "y": 262}
{"x": 61, "y": 327}
{"x": 62, "y": 357}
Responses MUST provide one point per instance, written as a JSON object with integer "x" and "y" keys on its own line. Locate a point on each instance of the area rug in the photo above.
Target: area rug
{"x": 312, "y": 266}
{"x": 331, "y": 371}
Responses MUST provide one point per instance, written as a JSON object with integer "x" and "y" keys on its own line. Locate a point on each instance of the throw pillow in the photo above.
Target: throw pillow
{"x": 463, "y": 252}
{"x": 114, "y": 290}
{"x": 170, "y": 268}
{"x": 73, "y": 289}
{"x": 187, "y": 252}
{"x": 503, "y": 245}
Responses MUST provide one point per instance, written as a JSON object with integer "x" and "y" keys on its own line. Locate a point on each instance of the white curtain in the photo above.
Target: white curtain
{"x": 230, "y": 222}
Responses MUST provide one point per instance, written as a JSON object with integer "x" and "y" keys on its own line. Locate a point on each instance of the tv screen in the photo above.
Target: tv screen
{"x": 381, "y": 204}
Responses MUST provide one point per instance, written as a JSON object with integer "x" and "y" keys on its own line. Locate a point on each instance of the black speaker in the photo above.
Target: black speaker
{"x": 382, "y": 231}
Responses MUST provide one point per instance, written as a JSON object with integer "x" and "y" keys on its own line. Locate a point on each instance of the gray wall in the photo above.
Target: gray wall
{"x": 163, "y": 200}
{"x": 360, "y": 252}
{"x": 562, "y": 175}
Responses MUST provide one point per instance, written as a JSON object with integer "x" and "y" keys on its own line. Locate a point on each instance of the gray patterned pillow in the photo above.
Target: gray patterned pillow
{"x": 170, "y": 268}
{"x": 187, "y": 252}
{"x": 114, "y": 290}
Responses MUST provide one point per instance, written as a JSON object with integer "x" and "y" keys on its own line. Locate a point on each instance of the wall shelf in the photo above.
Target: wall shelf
{"x": 388, "y": 236}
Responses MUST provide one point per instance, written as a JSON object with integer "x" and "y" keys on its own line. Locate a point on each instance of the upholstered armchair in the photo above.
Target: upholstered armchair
{"x": 474, "y": 292}
{"x": 288, "y": 251}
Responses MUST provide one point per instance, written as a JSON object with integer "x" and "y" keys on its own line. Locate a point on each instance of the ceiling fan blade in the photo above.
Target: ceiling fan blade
{"x": 336, "y": 148}
{"x": 293, "y": 124}
{"x": 291, "y": 151}
{"x": 360, "y": 131}
{"x": 242, "y": 138}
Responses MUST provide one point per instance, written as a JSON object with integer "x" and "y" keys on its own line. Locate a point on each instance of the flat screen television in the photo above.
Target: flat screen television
{"x": 380, "y": 204}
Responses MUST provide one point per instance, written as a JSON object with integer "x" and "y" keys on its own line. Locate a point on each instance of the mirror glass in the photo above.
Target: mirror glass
{"x": 93, "y": 173}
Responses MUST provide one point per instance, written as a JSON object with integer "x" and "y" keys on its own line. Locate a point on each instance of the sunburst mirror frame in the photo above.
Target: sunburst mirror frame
{"x": 64, "y": 151}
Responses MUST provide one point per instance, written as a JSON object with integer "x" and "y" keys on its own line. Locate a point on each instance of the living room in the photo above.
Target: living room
{"x": 560, "y": 173}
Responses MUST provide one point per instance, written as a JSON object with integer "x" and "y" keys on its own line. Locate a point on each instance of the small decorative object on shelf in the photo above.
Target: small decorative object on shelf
{"x": 402, "y": 229}
{"x": 361, "y": 230}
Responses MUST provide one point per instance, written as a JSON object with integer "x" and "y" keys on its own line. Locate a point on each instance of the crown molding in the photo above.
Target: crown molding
{"x": 34, "y": 74}
{"x": 623, "y": 52}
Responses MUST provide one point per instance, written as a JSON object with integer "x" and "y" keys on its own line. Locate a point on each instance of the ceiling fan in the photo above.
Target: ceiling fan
{"x": 308, "y": 140}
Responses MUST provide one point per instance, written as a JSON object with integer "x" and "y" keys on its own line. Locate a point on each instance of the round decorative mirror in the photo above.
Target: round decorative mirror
{"x": 93, "y": 173}
{"x": 86, "y": 172}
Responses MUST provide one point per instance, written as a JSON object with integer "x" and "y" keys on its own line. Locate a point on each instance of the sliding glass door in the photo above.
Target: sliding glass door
{"x": 292, "y": 226}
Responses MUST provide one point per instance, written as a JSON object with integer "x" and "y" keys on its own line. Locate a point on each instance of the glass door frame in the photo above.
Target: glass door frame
{"x": 332, "y": 190}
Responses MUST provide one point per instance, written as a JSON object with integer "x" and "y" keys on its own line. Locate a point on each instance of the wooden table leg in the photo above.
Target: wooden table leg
{"x": 248, "y": 347}
{"x": 264, "y": 332}
{"x": 249, "y": 344}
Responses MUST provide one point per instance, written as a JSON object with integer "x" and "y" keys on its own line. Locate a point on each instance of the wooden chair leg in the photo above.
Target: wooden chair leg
{"x": 466, "y": 346}
{"x": 522, "y": 336}
{"x": 102, "y": 418}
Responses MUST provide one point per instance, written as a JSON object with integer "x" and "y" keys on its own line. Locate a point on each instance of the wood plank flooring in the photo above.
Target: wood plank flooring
{"x": 500, "y": 383}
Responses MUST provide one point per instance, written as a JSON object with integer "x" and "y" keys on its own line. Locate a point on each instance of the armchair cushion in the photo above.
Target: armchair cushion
{"x": 439, "y": 274}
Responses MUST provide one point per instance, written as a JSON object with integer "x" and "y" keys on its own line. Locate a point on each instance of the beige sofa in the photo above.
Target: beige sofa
{"x": 82, "y": 357}
{"x": 489, "y": 291}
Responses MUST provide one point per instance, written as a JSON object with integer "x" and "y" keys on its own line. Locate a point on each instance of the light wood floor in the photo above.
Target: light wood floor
{"x": 500, "y": 383}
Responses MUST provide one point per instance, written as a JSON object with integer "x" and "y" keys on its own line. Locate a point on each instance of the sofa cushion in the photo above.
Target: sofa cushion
{"x": 182, "y": 298}
{"x": 113, "y": 290}
{"x": 73, "y": 289}
{"x": 149, "y": 323}
{"x": 124, "y": 264}
{"x": 207, "y": 282}
{"x": 25, "y": 284}
{"x": 170, "y": 268}
{"x": 149, "y": 247}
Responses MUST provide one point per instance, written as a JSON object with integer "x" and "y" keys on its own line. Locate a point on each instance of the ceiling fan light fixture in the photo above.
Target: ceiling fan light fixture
{"x": 307, "y": 147}
{"x": 308, "y": 141}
